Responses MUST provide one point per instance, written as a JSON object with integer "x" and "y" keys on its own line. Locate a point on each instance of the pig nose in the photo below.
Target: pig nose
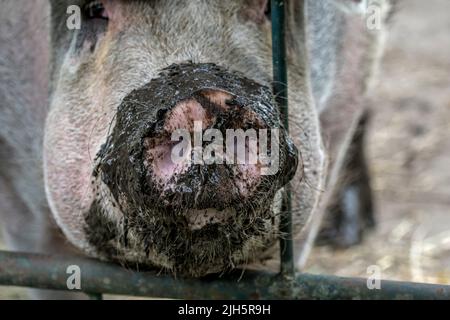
{"x": 137, "y": 162}
{"x": 206, "y": 109}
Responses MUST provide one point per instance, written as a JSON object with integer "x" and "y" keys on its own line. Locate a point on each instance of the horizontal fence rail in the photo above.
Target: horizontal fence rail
{"x": 50, "y": 272}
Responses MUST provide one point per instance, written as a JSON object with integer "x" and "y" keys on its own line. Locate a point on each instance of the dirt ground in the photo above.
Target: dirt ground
{"x": 409, "y": 154}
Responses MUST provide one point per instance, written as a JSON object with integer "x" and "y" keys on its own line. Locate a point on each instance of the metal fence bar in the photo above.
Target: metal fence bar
{"x": 49, "y": 272}
{"x": 280, "y": 85}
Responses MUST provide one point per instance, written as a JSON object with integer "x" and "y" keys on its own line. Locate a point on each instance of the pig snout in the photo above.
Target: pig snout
{"x": 191, "y": 151}
{"x": 186, "y": 167}
{"x": 209, "y": 110}
{"x": 165, "y": 125}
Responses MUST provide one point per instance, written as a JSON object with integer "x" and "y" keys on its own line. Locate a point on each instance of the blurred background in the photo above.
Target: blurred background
{"x": 408, "y": 149}
{"x": 409, "y": 156}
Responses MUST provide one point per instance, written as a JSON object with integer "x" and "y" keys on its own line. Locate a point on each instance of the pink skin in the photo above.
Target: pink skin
{"x": 183, "y": 116}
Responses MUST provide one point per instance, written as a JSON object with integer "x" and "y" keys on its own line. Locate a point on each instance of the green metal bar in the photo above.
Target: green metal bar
{"x": 49, "y": 272}
{"x": 280, "y": 85}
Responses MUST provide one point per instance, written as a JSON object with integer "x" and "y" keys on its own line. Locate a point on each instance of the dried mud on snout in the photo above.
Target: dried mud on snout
{"x": 153, "y": 219}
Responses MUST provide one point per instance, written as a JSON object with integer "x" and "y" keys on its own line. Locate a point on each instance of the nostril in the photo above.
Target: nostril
{"x": 158, "y": 158}
{"x": 161, "y": 112}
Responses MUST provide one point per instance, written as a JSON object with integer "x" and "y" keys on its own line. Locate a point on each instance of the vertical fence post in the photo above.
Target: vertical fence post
{"x": 280, "y": 85}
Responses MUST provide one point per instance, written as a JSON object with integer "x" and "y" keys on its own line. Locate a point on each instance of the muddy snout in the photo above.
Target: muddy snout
{"x": 199, "y": 140}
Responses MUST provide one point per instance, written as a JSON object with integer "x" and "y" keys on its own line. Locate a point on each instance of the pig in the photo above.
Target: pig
{"x": 87, "y": 116}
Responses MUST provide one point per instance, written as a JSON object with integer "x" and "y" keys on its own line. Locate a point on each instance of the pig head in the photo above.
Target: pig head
{"x": 135, "y": 72}
{"x": 125, "y": 81}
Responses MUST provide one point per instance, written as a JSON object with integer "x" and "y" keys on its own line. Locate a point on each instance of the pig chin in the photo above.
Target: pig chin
{"x": 193, "y": 219}
{"x": 178, "y": 238}
{"x": 190, "y": 243}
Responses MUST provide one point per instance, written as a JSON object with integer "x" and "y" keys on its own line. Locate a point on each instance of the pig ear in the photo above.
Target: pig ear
{"x": 257, "y": 10}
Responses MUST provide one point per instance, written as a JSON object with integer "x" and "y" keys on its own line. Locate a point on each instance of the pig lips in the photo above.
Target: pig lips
{"x": 196, "y": 219}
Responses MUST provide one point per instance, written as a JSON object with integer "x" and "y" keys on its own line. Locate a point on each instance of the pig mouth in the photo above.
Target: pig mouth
{"x": 182, "y": 240}
{"x": 201, "y": 220}
{"x": 185, "y": 242}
